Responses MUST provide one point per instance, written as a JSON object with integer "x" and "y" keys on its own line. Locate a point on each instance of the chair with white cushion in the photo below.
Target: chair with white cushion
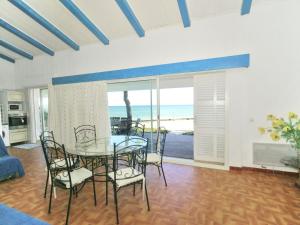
{"x": 60, "y": 163}
{"x": 65, "y": 172}
{"x": 123, "y": 173}
{"x": 156, "y": 158}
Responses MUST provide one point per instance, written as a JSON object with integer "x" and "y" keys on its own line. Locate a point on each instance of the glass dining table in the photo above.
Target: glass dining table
{"x": 95, "y": 154}
{"x": 103, "y": 147}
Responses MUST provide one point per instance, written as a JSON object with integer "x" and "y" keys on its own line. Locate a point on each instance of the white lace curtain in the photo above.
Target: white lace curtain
{"x": 33, "y": 101}
{"x": 73, "y": 105}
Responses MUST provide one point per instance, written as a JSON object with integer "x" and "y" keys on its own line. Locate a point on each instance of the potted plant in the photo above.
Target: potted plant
{"x": 287, "y": 129}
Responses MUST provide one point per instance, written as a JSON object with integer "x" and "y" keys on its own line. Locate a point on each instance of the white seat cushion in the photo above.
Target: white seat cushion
{"x": 77, "y": 176}
{"x": 153, "y": 158}
{"x": 123, "y": 176}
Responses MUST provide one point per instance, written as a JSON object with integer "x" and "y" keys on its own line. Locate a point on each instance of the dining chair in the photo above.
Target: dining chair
{"x": 47, "y": 135}
{"x": 85, "y": 133}
{"x": 115, "y": 120}
{"x": 66, "y": 176}
{"x": 124, "y": 126}
{"x": 115, "y": 129}
{"x": 123, "y": 173}
{"x": 156, "y": 158}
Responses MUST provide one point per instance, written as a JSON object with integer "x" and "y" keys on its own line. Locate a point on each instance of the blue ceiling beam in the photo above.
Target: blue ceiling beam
{"x": 178, "y": 68}
{"x": 15, "y": 49}
{"x": 184, "y": 13}
{"x": 7, "y": 58}
{"x": 126, "y": 9}
{"x": 43, "y": 22}
{"x": 246, "y": 7}
{"x": 85, "y": 20}
{"x": 25, "y": 37}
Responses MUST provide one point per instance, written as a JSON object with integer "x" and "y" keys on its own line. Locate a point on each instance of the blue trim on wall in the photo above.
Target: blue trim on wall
{"x": 126, "y": 9}
{"x": 184, "y": 13}
{"x": 85, "y": 20}
{"x": 15, "y": 49}
{"x": 7, "y": 58}
{"x": 246, "y": 7}
{"x": 228, "y": 62}
{"x": 25, "y": 37}
{"x": 43, "y": 22}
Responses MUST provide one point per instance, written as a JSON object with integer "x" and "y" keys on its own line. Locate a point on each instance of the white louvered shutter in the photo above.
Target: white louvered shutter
{"x": 209, "y": 113}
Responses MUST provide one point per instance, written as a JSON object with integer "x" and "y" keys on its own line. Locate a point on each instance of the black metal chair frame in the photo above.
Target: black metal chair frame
{"x": 57, "y": 169}
{"x": 127, "y": 157}
{"x": 85, "y": 129}
{"x": 47, "y": 135}
{"x": 137, "y": 129}
{"x": 161, "y": 138}
{"x": 89, "y": 162}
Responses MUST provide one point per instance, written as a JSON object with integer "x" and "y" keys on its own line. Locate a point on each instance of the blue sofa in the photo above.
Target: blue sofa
{"x": 10, "y": 166}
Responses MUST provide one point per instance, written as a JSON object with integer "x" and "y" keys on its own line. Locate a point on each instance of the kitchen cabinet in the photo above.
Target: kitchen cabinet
{"x": 15, "y": 96}
{"x": 18, "y": 135}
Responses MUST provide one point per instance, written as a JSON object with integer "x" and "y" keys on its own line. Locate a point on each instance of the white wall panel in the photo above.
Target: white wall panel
{"x": 7, "y": 75}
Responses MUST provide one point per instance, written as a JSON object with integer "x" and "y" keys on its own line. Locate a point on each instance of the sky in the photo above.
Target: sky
{"x": 170, "y": 96}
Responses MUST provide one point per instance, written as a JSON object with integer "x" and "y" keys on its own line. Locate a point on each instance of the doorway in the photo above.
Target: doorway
{"x": 164, "y": 102}
{"x": 190, "y": 107}
{"x": 176, "y": 102}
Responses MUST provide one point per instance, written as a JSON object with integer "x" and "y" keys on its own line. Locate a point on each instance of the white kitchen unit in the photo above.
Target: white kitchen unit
{"x": 14, "y": 118}
{"x": 18, "y": 135}
{"x": 4, "y": 130}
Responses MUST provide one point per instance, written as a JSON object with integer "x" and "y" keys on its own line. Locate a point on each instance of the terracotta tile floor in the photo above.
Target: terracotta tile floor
{"x": 194, "y": 196}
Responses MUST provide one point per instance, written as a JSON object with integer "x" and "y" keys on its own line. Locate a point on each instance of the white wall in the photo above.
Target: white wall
{"x": 7, "y": 75}
{"x": 270, "y": 34}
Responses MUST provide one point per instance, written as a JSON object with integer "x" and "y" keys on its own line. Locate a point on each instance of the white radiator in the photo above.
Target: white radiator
{"x": 279, "y": 155}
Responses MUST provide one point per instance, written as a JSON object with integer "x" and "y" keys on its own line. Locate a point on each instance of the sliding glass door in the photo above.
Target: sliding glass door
{"x": 130, "y": 103}
{"x": 164, "y": 102}
{"x": 190, "y": 107}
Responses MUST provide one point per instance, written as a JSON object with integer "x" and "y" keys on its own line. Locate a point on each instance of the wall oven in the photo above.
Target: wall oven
{"x": 17, "y": 121}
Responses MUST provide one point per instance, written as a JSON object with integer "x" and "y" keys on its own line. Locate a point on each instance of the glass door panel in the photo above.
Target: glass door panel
{"x": 176, "y": 115}
{"x": 130, "y": 103}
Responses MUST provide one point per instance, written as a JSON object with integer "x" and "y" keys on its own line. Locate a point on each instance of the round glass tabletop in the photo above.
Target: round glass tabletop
{"x": 105, "y": 146}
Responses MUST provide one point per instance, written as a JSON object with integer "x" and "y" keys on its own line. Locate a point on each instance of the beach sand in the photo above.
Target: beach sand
{"x": 173, "y": 124}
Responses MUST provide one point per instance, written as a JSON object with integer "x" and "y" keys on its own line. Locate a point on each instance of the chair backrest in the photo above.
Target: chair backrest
{"x": 58, "y": 163}
{"x": 115, "y": 121}
{"x": 161, "y": 140}
{"x": 124, "y": 125}
{"x": 85, "y": 133}
{"x": 134, "y": 150}
{"x": 49, "y": 135}
{"x": 137, "y": 129}
{"x": 114, "y": 129}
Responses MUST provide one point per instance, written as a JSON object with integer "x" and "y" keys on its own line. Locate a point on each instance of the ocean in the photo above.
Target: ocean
{"x": 144, "y": 111}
